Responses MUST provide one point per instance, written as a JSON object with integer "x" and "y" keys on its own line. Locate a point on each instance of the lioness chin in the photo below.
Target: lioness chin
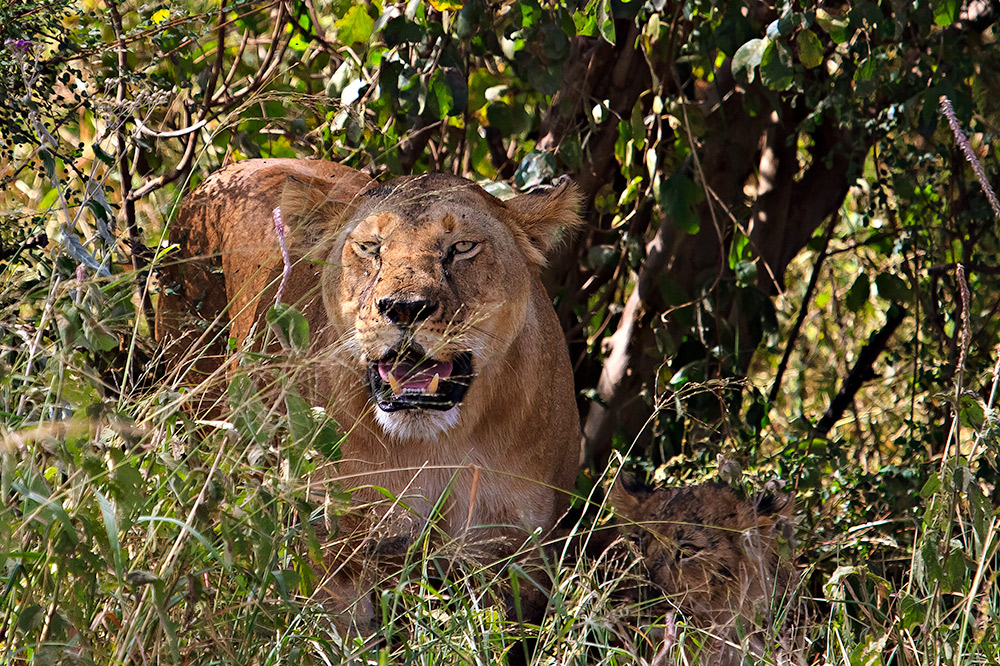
{"x": 433, "y": 340}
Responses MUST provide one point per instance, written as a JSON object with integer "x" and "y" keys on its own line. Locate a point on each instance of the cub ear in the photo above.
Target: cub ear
{"x": 774, "y": 515}
{"x": 774, "y": 503}
{"x": 627, "y": 497}
{"x": 314, "y": 209}
{"x": 544, "y": 215}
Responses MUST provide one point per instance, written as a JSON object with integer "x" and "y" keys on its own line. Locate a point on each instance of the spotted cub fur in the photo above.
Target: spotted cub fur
{"x": 718, "y": 560}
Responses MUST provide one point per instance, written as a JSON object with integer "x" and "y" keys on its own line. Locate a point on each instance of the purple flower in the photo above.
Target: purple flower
{"x": 23, "y": 45}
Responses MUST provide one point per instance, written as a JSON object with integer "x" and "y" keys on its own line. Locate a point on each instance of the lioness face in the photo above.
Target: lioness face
{"x": 433, "y": 286}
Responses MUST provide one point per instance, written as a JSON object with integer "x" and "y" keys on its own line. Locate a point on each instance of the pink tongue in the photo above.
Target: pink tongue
{"x": 410, "y": 378}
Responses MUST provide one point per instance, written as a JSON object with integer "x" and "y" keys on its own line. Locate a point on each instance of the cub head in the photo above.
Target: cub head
{"x": 709, "y": 550}
{"x": 427, "y": 284}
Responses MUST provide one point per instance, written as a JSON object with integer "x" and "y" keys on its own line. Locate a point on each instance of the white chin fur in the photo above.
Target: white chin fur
{"x": 417, "y": 423}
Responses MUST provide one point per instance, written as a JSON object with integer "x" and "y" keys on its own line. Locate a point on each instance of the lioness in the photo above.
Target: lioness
{"x": 434, "y": 341}
{"x": 718, "y": 560}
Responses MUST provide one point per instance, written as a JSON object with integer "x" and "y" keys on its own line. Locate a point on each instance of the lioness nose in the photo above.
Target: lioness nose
{"x": 406, "y": 313}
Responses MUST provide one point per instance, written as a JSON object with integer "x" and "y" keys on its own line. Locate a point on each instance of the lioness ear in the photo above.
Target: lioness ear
{"x": 314, "y": 208}
{"x": 544, "y": 215}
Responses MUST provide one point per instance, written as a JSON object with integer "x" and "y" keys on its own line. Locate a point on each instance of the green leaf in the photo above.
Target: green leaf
{"x": 49, "y": 161}
{"x": 946, "y": 12}
{"x": 810, "y": 49}
{"x": 955, "y": 573}
{"x": 602, "y": 256}
{"x": 570, "y": 151}
{"x": 546, "y": 80}
{"x": 776, "y": 67}
{"x": 97, "y": 335}
{"x": 536, "y": 168}
{"x": 554, "y": 43}
{"x": 103, "y": 156}
{"x": 864, "y": 77}
{"x": 747, "y": 58}
{"x": 311, "y": 428}
{"x": 678, "y": 197}
{"x": 932, "y": 485}
{"x": 298, "y": 43}
{"x": 190, "y": 530}
{"x": 912, "y": 611}
{"x": 329, "y": 438}
{"x": 606, "y": 199}
{"x": 585, "y": 23}
{"x": 128, "y": 486}
{"x": 249, "y": 415}
{"x": 508, "y": 119}
{"x": 289, "y": 325}
{"x": 606, "y": 21}
{"x": 972, "y": 412}
{"x": 285, "y": 582}
{"x": 443, "y": 101}
{"x": 300, "y": 421}
{"x": 111, "y": 527}
{"x": 746, "y": 273}
{"x": 858, "y": 294}
{"x": 400, "y": 30}
{"x": 834, "y": 26}
{"x": 356, "y": 26}
{"x": 893, "y": 288}
{"x": 447, "y": 5}
{"x": 100, "y": 208}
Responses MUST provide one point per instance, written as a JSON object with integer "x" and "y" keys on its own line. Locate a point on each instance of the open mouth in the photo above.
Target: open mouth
{"x": 412, "y": 380}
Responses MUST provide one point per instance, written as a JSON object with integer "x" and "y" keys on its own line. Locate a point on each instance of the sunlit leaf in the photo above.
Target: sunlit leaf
{"x": 946, "y": 11}
{"x": 447, "y": 5}
{"x": 747, "y": 59}
{"x": 355, "y": 26}
{"x": 834, "y": 26}
{"x": 810, "y": 49}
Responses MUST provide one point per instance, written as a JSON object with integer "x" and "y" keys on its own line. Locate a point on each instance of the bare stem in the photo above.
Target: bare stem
{"x": 279, "y": 230}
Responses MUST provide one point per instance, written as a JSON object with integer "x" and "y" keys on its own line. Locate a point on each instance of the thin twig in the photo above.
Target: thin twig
{"x": 965, "y": 340}
{"x": 793, "y": 335}
{"x": 33, "y": 350}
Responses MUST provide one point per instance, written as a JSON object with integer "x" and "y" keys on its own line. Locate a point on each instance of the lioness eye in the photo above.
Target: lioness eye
{"x": 464, "y": 247}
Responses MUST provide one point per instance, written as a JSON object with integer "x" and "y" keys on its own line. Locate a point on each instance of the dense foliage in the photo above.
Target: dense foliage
{"x": 789, "y": 269}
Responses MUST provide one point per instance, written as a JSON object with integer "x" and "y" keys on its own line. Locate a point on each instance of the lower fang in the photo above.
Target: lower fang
{"x": 433, "y": 386}
{"x": 394, "y": 385}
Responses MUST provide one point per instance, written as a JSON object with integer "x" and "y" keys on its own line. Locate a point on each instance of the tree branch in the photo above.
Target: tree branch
{"x": 862, "y": 370}
{"x": 125, "y": 171}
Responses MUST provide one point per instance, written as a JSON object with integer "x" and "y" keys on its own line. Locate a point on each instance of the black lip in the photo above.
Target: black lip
{"x": 450, "y": 392}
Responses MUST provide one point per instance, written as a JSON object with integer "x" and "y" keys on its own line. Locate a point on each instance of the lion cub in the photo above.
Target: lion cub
{"x": 717, "y": 560}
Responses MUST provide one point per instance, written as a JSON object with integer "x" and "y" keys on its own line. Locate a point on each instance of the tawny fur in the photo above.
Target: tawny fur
{"x": 721, "y": 561}
{"x": 506, "y": 457}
